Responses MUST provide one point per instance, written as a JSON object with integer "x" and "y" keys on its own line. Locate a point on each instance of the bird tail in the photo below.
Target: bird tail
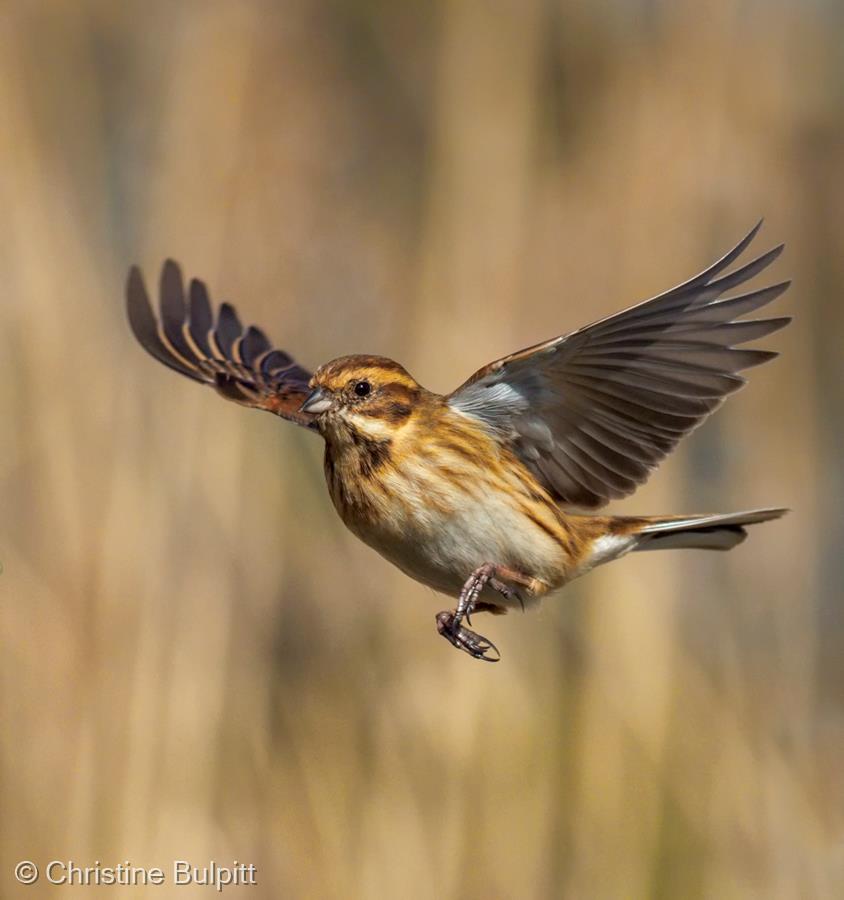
{"x": 703, "y": 532}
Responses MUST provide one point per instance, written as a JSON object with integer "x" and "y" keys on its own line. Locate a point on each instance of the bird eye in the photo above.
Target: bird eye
{"x": 362, "y": 388}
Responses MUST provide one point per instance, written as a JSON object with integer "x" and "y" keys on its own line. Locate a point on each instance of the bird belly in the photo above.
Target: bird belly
{"x": 439, "y": 536}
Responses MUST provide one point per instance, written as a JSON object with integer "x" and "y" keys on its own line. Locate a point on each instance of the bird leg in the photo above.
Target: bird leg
{"x": 450, "y": 624}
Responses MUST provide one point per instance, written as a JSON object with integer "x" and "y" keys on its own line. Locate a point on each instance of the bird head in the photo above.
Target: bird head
{"x": 362, "y": 397}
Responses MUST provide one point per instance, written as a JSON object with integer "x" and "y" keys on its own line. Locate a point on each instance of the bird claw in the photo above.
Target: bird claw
{"x": 468, "y": 641}
{"x": 505, "y": 590}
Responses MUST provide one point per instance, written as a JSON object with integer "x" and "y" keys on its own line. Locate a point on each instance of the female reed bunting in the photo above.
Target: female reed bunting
{"x": 471, "y": 493}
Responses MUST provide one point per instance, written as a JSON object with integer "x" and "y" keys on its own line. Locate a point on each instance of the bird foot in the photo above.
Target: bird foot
{"x": 477, "y": 646}
{"x": 450, "y": 624}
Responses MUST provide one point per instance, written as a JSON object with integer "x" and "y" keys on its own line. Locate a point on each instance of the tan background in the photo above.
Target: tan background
{"x": 198, "y": 661}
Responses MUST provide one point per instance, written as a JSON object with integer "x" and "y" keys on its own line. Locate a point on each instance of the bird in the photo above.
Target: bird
{"x": 489, "y": 494}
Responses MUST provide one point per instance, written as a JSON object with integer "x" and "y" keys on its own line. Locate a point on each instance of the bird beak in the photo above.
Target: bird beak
{"x": 316, "y": 402}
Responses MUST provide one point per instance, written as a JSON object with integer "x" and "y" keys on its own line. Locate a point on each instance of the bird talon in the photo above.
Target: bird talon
{"x": 476, "y": 645}
{"x": 504, "y": 589}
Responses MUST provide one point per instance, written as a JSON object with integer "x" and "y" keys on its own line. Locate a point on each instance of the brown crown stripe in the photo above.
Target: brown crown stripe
{"x": 361, "y": 366}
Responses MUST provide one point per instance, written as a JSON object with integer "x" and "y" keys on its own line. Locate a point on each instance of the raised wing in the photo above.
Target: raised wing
{"x": 240, "y": 363}
{"x": 592, "y": 413}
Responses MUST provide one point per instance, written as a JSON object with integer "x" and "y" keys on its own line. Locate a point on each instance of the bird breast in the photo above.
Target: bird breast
{"x": 440, "y": 504}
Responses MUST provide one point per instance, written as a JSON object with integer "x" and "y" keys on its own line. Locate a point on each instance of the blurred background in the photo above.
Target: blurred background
{"x": 198, "y": 661}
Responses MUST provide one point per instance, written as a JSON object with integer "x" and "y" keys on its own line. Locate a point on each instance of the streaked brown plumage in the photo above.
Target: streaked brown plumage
{"x": 471, "y": 493}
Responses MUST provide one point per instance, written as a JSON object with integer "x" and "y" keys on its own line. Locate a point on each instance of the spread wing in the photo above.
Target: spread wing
{"x": 592, "y": 413}
{"x": 240, "y": 363}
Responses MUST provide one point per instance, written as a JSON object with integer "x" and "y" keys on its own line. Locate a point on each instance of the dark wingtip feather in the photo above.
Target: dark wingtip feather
{"x": 228, "y": 329}
{"x": 719, "y": 265}
{"x": 171, "y": 293}
{"x": 776, "y": 290}
{"x": 173, "y": 306}
{"x": 778, "y": 323}
{"x": 171, "y": 270}
{"x": 752, "y": 358}
{"x": 171, "y": 275}
{"x": 781, "y": 288}
{"x": 144, "y": 324}
{"x": 251, "y": 345}
{"x": 200, "y": 316}
{"x": 743, "y": 273}
{"x": 141, "y": 317}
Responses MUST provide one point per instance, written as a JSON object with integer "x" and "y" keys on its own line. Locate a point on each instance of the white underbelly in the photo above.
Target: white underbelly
{"x": 440, "y": 543}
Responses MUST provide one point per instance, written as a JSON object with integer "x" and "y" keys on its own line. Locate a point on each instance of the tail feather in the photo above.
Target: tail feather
{"x": 704, "y": 532}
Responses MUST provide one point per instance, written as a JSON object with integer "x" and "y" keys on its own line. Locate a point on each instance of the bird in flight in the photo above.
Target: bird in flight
{"x": 476, "y": 493}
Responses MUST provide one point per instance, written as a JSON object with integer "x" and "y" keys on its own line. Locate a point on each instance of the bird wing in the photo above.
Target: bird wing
{"x": 240, "y": 363}
{"x": 592, "y": 413}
